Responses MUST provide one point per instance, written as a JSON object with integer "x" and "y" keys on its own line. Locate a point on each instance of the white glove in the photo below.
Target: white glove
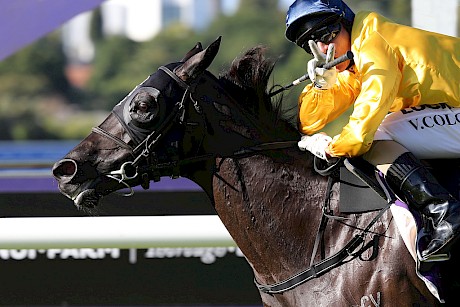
{"x": 316, "y": 144}
{"x": 322, "y": 78}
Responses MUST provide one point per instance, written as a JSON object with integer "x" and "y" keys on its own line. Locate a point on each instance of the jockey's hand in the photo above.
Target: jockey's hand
{"x": 316, "y": 144}
{"x": 322, "y": 78}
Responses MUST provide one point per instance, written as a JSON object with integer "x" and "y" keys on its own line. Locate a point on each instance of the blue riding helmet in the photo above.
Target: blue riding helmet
{"x": 300, "y": 11}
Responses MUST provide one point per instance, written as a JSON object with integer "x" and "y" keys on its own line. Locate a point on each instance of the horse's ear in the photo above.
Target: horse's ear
{"x": 197, "y": 48}
{"x": 198, "y": 62}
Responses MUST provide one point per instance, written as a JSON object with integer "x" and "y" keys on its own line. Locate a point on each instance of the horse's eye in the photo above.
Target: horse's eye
{"x": 143, "y": 109}
{"x": 143, "y": 106}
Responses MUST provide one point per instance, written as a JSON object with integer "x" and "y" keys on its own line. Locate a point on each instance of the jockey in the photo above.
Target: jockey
{"x": 403, "y": 84}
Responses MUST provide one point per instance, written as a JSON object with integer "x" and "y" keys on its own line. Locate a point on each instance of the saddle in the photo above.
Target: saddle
{"x": 361, "y": 189}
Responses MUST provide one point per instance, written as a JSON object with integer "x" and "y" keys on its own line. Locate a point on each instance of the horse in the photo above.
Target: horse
{"x": 228, "y": 135}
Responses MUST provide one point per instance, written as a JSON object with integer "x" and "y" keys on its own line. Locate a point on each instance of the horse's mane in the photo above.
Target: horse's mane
{"x": 249, "y": 75}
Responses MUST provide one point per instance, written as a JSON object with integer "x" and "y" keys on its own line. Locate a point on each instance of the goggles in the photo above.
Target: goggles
{"x": 324, "y": 35}
{"x": 325, "y": 30}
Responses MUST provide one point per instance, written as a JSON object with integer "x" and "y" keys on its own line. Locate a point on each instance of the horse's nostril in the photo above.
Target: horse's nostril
{"x": 64, "y": 168}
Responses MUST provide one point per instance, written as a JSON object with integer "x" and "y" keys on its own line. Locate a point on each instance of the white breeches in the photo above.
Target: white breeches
{"x": 428, "y": 131}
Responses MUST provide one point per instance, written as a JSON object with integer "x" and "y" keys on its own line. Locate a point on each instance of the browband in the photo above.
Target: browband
{"x": 182, "y": 84}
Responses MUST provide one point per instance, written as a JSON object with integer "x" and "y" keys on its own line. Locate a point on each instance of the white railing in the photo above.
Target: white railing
{"x": 32, "y": 161}
{"x": 113, "y": 232}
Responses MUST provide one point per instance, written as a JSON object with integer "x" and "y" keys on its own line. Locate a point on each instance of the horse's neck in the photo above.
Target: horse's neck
{"x": 270, "y": 205}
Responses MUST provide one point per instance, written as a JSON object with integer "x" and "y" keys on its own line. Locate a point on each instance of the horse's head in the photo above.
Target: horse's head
{"x": 179, "y": 116}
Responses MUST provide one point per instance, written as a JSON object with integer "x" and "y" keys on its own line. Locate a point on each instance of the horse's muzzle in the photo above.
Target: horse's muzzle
{"x": 83, "y": 184}
{"x": 65, "y": 171}
{"x": 78, "y": 189}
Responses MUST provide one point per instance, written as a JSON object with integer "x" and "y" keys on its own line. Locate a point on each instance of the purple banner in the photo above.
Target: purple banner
{"x": 49, "y": 184}
{"x": 24, "y": 21}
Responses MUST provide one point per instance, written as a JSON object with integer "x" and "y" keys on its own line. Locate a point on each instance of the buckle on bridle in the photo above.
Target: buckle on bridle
{"x": 127, "y": 171}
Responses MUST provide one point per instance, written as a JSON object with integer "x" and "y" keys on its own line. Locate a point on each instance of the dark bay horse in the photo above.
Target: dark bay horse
{"x": 226, "y": 135}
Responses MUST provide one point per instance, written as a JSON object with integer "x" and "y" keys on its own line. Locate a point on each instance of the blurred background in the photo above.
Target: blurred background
{"x": 64, "y": 83}
{"x": 56, "y": 86}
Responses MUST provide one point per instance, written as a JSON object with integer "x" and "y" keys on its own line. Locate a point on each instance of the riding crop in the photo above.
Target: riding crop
{"x": 347, "y": 56}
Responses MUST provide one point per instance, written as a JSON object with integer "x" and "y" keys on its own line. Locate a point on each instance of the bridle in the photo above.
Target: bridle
{"x": 145, "y": 160}
{"x": 146, "y": 164}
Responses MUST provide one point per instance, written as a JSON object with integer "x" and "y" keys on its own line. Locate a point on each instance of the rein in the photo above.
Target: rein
{"x": 144, "y": 150}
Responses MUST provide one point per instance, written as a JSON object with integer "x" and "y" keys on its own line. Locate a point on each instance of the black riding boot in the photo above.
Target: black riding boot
{"x": 420, "y": 189}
